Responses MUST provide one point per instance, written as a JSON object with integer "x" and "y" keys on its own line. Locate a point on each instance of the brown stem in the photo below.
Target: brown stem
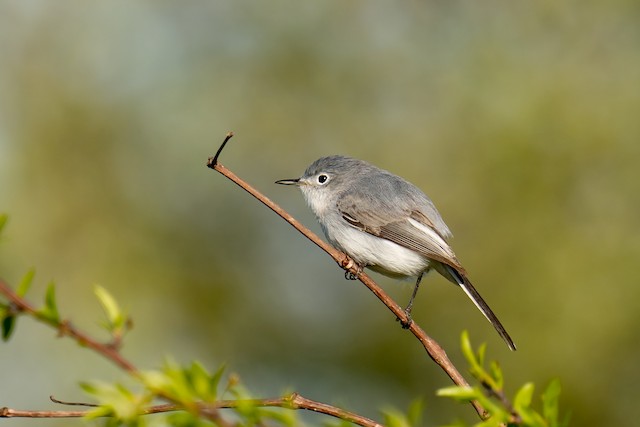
{"x": 435, "y": 351}
{"x": 292, "y": 401}
{"x": 66, "y": 328}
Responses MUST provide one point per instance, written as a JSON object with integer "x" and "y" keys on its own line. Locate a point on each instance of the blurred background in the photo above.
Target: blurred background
{"x": 520, "y": 120}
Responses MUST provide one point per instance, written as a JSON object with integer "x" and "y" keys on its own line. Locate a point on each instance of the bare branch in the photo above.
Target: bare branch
{"x": 435, "y": 351}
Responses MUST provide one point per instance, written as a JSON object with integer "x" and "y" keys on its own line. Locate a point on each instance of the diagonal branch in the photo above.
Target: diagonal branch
{"x": 435, "y": 351}
{"x": 65, "y": 327}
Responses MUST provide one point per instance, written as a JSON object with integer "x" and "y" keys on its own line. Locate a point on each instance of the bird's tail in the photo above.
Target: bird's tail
{"x": 479, "y": 302}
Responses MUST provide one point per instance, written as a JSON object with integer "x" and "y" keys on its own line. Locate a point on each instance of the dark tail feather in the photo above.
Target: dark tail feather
{"x": 471, "y": 292}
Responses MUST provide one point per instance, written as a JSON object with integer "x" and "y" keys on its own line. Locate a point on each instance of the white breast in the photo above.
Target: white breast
{"x": 379, "y": 254}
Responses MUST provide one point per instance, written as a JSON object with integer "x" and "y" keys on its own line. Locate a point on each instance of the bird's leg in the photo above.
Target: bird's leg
{"x": 353, "y": 276}
{"x": 407, "y": 311}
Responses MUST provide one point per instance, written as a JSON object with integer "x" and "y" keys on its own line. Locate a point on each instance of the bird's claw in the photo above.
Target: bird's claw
{"x": 350, "y": 275}
{"x": 406, "y": 324}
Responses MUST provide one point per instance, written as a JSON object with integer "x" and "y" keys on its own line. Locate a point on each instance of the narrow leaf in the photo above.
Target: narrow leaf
{"x": 524, "y": 395}
{"x": 8, "y": 324}
{"x": 215, "y": 379}
{"x": 550, "y": 399}
{"x": 99, "y": 412}
{"x": 3, "y": 221}
{"x": 50, "y": 308}
{"x": 200, "y": 381}
{"x": 109, "y": 305}
{"x": 467, "y": 350}
{"x": 414, "y": 413}
{"x": 496, "y": 373}
{"x": 459, "y": 393}
{"x": 482, "y": 350}
{"x": 25, "y": 283}
{"x": 89, "y": 388}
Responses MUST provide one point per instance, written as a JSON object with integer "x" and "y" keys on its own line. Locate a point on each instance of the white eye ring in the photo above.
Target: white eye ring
{"x": 323, "y": 178}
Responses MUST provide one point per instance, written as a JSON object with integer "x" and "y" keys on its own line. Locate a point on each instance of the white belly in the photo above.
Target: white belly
{"x": 379, "y": 254}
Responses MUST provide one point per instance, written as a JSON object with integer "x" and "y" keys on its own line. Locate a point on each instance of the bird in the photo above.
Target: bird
{"x": 386, "y": 224}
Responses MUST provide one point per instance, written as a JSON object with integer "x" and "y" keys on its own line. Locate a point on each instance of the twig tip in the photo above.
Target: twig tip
{"x": 213, "y": 161}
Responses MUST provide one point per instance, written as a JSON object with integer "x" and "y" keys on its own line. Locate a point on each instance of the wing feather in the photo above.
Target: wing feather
{"x": 409, "y": 228}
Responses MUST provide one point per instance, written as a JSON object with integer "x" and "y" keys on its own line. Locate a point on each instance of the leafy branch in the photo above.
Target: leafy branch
{"x": 193, "y": 390}
{"x": 49, "y": 315}
{"x": 491, "y": 395}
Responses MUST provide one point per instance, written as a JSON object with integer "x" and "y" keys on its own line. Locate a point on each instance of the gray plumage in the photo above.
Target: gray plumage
{"x": 384, "y": 223}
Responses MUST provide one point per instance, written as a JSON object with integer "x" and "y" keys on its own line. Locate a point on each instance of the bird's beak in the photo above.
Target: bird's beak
{"x": 295, "y": 181}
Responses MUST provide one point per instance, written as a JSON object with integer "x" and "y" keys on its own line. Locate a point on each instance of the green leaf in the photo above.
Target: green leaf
{"x": 215, "y": 379}
{"x": 201, "y": 382}
{"x": 497, "y": 375}
{"x": 482, "y": 350}
{"x": 8, "y": 324}
{"x": 25, "y": 283}
{"x": 3, "y": 221}
{"x": 467, "y": 350}
{"x": 50, "y": 310}
{"x": 522, "y": 405}
{"x": 89, "y": 388}
{"x": 395, "y": 418}
{"x": 459, "y": 393}
{"x": 524, "y": 396}
{"x": 99, "y": 412}
{"x": 414, "y": 413}
{"x": 550, "y": 399}
{"x": 475, "y": 360}
{"x": 118, "y": 401}
{"x": 110, "y": 307}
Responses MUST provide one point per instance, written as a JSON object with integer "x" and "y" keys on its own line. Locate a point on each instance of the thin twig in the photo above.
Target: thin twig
{"x": 65, "y": 327}
{"x": 292, "y": 401}
{"x": 63, "y": 402}
{"x": 435, "y": 351}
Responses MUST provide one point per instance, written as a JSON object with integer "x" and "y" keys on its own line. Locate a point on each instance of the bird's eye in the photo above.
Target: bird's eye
{"x": 322, "y": 178}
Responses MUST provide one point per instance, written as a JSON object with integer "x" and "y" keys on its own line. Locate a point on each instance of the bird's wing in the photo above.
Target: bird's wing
{"x": 409, "y": 228}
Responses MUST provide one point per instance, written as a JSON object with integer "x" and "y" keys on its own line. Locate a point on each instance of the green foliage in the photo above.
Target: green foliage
{"x": 3, "y": 221}
{"x": 25, "y": 283}
{"x": 49, "y": 312}
{"x": 491, "y": 395}
{"x": 184, "y": 385}
{"x": 117, "y": 322}
{"x": 397, "y": 418}
{"x": 192, "y": 389}
{"x": 9, "y": 316}
{"x": 8, "y": 323}
{"x": 117, "y": 401}
{"x": 550, "y": 404}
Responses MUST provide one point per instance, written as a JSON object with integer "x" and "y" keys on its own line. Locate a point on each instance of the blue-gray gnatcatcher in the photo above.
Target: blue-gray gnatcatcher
{"x": 384, "y": 223}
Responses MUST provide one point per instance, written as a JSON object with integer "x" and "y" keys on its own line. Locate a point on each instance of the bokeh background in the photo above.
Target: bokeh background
{"x": 520, "y": 119}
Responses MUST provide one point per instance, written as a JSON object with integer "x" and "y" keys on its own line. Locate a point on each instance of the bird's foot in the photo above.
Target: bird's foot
{"x": 406, "y": 324}
{"x": 350, "y": 275}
